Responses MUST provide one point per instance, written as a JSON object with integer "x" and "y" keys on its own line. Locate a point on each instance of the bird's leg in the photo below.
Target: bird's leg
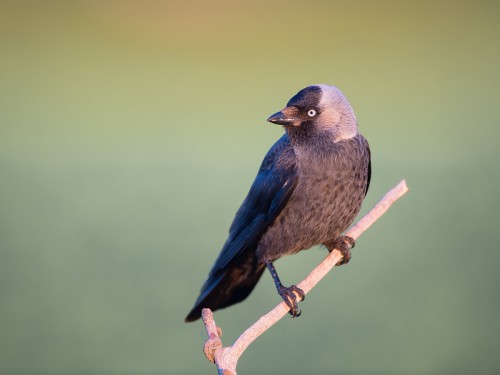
{"x": 344, "y": 244}
{"x": 289, "y": 294}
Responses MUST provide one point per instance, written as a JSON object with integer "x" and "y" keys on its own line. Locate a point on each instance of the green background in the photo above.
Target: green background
{"x": 130, "y": 132}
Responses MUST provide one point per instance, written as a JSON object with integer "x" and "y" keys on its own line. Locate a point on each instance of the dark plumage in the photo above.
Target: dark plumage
{"x": 308, "y": 190}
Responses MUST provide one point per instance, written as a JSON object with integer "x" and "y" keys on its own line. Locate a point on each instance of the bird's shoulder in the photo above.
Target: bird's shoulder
{"x": 273, "y": 185}
{"x": 280, "y": 157}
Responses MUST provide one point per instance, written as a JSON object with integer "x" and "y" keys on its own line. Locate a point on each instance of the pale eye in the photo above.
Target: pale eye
{"x": 311, "y": 113}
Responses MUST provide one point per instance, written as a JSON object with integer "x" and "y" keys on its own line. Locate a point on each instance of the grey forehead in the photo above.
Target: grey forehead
{"x": 309, "y": 97}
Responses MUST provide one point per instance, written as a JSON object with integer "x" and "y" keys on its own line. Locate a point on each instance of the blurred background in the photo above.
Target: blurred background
{"x": 130, "y": 132}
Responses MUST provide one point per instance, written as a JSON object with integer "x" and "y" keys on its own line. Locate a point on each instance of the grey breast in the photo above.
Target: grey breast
{"x": 326, "y": 200}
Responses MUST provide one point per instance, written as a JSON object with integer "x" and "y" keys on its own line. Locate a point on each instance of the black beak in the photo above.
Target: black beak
{"x": 285, "y": 117}
{"x": 279, "y": 118}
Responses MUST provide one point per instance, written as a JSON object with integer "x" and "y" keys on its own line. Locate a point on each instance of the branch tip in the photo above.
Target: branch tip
{"x": 214, "y": 344}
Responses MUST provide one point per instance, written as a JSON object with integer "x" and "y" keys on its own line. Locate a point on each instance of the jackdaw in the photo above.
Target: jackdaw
{"x": 308, "y": 190}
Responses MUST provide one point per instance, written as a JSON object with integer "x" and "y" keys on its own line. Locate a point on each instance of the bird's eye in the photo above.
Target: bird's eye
{"x": 311, "y": 113}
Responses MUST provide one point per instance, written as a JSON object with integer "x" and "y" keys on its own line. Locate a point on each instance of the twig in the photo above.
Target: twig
{"x": 226, "y": 358}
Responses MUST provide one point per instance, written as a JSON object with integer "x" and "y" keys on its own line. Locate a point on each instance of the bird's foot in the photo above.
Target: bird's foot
{"x": 292, "y": 295}
{"x": 344, "y": 244}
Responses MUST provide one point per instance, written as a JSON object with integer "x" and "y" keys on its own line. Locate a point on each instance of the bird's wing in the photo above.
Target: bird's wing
{"x": 271, "y": 190}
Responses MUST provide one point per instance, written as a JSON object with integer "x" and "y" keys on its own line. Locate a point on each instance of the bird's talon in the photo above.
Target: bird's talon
{"x": 299, "y": 292}
{"x": 292, "y": 295}
{"x": 344, "y": 244}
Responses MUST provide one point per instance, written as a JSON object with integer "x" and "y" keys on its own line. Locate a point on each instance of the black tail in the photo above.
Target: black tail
{"x": 227, "y": 287}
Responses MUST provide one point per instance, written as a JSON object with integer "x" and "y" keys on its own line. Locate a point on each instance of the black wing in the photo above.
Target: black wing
{"x": 273, "y": 186}
{"x": 236, "y": 270}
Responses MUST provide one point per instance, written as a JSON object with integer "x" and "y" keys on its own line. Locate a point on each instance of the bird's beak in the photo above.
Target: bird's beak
{"x": 287, "y": 116}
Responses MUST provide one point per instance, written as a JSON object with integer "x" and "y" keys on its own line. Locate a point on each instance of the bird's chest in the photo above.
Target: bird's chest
{"x": 322, "y": 196}
{"x": 319, "y": 209}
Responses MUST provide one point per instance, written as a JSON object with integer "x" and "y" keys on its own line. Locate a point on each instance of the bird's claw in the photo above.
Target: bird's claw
{"x": 290, "y": 295}
{"x": 344, "y": 244}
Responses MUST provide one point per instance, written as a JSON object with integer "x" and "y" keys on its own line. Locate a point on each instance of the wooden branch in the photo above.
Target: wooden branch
{"x": 226, "y": 358}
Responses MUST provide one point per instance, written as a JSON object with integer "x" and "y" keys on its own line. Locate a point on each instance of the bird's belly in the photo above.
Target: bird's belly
{"x": 319, "y": 211}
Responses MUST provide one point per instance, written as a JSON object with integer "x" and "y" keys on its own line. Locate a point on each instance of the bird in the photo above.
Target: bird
{"x": 308, "y": 190}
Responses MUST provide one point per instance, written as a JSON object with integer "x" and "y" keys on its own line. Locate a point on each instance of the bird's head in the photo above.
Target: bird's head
{"x": 318, "y": 108}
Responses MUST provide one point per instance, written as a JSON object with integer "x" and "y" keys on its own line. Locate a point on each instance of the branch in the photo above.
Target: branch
{"x": 226, "y": 358}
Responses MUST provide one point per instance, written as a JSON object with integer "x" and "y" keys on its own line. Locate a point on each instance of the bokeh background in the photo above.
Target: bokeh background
{"x": 130, "y": 132}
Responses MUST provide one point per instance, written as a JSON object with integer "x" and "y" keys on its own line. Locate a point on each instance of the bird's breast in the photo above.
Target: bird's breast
{"x": 326, "y": 200}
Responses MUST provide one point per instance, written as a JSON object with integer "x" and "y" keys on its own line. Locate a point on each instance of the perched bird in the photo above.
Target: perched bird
{"x": 308, "y": 190}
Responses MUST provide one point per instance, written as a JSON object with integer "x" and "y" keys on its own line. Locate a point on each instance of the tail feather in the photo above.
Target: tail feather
{"x": 230, "y": 287}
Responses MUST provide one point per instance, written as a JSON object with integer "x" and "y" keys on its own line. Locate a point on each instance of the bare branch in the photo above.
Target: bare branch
{"x": 226, "y": 358}
{"x": 213, "y": 345}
